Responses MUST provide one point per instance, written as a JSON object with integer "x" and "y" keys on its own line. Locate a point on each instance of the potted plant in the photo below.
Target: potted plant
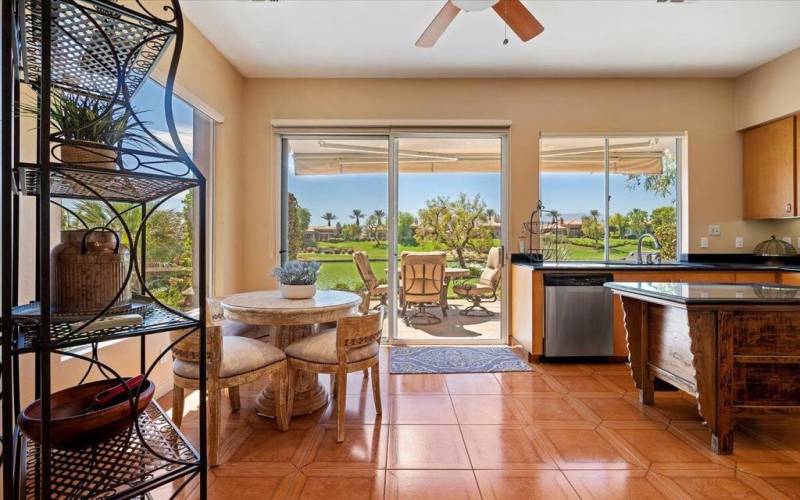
{"x": 298, "y": 278}
{"x": 88, "y": 119}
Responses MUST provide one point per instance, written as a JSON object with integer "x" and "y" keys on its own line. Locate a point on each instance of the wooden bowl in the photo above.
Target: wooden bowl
{"x": 71, "y": 427}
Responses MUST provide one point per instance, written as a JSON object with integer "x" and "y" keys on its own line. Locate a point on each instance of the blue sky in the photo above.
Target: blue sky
{"x": 571, "y": 194}
{"x": 579, "y": 193}
{"x": 149, "y": 102}
{"x": 341, "y": 194}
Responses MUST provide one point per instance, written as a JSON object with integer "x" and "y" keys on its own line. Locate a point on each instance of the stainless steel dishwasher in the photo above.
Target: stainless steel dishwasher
{"x": 578, "y": 315}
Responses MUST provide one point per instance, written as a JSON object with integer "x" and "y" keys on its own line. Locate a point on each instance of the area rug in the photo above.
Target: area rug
{"x": 454, "y": 360}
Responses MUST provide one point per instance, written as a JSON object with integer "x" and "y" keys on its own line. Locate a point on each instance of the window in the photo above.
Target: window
{"x": 172, "y": 246}
{"x": 607, "y": 192}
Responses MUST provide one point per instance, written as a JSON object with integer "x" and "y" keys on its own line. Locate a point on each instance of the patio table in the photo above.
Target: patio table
{"x": 295, "y": 319}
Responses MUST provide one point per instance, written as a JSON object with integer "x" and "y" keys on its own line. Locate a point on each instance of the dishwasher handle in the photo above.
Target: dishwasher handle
{"x": 577, "y": 279}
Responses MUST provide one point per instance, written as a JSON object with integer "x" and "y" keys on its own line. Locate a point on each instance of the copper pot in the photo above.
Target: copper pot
{"x": 87, "y": 270}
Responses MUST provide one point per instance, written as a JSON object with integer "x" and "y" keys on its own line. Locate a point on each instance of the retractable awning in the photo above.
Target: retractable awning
{"x": 334, "y": 158}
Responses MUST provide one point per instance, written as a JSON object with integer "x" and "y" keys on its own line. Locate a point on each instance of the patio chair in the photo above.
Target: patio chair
{"x": 231, "y": 362}
{"x": 354, "y": 345}
{"x": 422, "y": 276}
{"x": 374, "y": 289}
{"x": 485, "y": 290}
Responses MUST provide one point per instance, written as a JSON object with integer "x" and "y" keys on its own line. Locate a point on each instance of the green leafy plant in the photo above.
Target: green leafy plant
{"x": 84, "y": 118}
{"x": 297, "y": 272}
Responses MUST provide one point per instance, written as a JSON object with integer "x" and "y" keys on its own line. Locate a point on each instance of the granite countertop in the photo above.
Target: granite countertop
{"x": 696, "y": 293}
{"x": 726, "y": 262}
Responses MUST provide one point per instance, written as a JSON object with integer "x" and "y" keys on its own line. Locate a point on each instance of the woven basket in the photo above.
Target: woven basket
{"x": 89, "y": 157}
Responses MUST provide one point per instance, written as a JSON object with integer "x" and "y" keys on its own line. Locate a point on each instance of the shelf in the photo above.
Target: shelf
{"x": 90, "y": 40}
{"x": 120, "y": 467}
{"x": 68, "y": 181}
{"x": 157, "y": 320}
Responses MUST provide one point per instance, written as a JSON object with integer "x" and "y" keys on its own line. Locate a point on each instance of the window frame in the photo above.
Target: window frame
{"x": 681, "y": 159}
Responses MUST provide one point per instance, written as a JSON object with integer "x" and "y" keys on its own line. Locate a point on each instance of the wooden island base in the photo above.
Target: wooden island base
{"x": 737, "y": 359}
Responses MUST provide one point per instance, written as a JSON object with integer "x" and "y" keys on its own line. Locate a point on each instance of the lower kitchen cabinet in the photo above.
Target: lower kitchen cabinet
{"x": 527, "y": 298}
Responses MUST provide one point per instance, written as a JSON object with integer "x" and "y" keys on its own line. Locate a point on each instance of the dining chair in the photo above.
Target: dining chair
{"x": 423, "y": 276}
{"x": 354, "y": 345}
{"x": 485, "y": 290}
{"x": 376, "y": 290}
{"x": 231, "y": 361}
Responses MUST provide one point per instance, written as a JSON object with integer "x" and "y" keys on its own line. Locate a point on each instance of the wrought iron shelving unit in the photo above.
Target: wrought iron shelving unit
{"x": 102, "y": 50}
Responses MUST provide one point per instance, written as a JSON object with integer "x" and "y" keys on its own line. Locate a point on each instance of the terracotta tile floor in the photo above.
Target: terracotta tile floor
{"x": 563, "y": 431}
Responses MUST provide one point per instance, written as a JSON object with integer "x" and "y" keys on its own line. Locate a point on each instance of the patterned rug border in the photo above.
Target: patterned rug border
{"x": 409, "y": 360}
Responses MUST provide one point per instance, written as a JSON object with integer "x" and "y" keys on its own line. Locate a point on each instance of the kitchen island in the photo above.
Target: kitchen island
{"x": 735, "y": 348}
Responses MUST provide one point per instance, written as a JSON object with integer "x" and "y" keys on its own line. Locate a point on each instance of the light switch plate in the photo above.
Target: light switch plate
{"x": 714, "y": 230}
{"x": 787, "y": 239}
{"x": 703, "y": 242}
{"x": 739, "y": 242}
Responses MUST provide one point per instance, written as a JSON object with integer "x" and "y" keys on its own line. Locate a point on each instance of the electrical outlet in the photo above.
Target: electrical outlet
{"x": 714, "y": 230}
{"x": 739, "y": 242}
{"x": 703, "y": 242}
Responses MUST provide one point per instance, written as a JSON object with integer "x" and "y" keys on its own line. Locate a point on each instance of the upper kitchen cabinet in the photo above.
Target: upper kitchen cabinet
{"x": 770, "y": 170}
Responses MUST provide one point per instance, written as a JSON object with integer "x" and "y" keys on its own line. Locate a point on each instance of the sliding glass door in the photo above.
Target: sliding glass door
{"x": 449, "y": 206}
{"x": 360, "y": 205}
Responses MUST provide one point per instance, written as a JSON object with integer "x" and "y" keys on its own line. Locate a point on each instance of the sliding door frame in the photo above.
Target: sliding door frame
{"x": 392, "y": 139}
{"x": 394, "y": 179}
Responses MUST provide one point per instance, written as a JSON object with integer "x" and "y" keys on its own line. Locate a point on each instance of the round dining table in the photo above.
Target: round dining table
{"x": 294, "y": 319}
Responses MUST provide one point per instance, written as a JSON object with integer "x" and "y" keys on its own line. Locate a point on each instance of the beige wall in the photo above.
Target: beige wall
{"x": 701, "y": 107}
{"x": 768, "y": 92}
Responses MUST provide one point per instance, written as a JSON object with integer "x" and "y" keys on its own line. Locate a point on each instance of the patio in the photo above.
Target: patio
{"x": 454, "y": 326}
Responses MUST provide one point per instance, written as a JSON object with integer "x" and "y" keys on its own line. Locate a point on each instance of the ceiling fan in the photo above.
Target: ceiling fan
{"x": 515, "y": 15}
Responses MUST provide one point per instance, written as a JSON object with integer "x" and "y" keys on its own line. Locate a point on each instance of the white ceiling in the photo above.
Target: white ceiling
{"x": 604, "y": 38}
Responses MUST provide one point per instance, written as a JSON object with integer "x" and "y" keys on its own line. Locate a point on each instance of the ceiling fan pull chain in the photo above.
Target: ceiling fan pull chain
{"x": 505, "y": 27}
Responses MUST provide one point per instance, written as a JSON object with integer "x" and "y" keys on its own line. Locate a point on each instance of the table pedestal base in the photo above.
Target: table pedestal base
{"x": 309, "y": 394}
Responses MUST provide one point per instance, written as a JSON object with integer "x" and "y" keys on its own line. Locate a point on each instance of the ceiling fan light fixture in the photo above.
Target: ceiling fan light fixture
{"x": 473, "y": 5}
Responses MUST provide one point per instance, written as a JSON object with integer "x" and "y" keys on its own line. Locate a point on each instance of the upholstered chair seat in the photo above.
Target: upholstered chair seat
{"x": 321, "y": 348}
{"x": 473, "y": 290}
{"x": 239, "y": 355}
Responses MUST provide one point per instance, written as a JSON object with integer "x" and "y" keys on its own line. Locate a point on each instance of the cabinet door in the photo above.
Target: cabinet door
{"x": 769, "y": 170}
{"x": 755, "y": 277}
{"x": 788, "y": 278}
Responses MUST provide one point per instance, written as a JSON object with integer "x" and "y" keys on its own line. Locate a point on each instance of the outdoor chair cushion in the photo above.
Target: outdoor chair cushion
{"x": 473, "y": 290}
{"x": 239, "y": 355}
{"x": 321, "y": 348}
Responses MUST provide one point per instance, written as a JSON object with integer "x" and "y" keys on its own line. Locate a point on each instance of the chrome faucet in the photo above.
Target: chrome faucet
{"x": 652, "y": 258}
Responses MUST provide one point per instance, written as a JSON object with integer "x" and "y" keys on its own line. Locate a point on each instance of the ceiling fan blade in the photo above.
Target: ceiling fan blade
{"x": 438, "y": 25}
{"x": 518, "y": 18}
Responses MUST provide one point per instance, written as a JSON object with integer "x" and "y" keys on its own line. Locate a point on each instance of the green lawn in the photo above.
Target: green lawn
{"x": 339, "y": 271}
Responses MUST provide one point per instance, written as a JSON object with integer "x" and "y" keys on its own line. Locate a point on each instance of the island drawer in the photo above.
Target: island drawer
{"x": 757, "y": 334}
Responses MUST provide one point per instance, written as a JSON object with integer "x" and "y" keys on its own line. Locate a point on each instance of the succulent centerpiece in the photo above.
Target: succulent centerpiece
{"x": 298, "y": 278}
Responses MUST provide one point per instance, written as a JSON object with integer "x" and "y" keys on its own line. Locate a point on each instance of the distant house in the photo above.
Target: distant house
{"x": 572, "y": 228}
{"x": 316, "y": 234}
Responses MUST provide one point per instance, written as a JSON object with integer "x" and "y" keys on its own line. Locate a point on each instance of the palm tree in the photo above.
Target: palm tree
{"x": 556, "y": 215}
{"x": 357, "y": 215}
{"x": 618, "y": 220}
{"x": 491, "y": 215}
{"x": 327, "y": 216}
{"x": 379, "y": 214}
